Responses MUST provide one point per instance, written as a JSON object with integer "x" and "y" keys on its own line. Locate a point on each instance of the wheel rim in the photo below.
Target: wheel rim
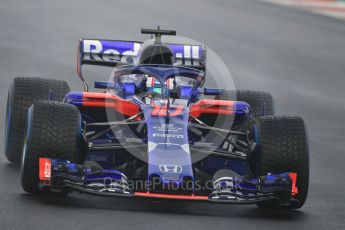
{"x": 25, "y": 147}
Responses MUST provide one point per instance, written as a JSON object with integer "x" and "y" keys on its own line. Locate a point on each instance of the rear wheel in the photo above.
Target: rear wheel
{"x": 23, "y": 93}
{"x": 261, "y": 103}
{"x": 53, "y": 131}
{"x": 284, "y": 148}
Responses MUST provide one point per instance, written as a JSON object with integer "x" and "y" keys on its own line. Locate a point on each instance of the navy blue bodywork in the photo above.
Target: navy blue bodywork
{"x": 168, "y": 145}
{"x": 159, "y": 139}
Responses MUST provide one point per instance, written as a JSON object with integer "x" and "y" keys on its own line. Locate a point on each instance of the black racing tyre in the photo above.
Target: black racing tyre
{"x": 23, "y": 93}
{"x": 53, "y": 130}
{"x": 284, "y": 148}
{"x": 261, "y": 103}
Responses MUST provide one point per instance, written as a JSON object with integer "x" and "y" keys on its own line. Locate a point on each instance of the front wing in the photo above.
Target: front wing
{"x": 61, "y": 175}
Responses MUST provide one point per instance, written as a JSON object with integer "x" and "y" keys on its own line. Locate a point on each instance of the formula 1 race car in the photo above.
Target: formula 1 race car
{"x": 154, "y": 131}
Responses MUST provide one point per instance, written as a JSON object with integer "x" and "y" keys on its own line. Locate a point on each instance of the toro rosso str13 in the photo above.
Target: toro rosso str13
{"x": 154, "y": 131}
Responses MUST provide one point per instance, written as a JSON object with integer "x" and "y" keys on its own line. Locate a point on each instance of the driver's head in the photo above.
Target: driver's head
{"x": 152, "y": 84}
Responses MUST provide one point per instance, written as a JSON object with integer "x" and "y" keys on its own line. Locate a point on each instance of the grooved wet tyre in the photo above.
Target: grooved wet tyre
{"x": 284, "y": 148}
{"x": 261, "y": 103}
{"x": 52, "y": 131}
{"x": 23, "y": 93}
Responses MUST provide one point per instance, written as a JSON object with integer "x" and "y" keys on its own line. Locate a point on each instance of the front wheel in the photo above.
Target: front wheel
{"x": 53, "y": 131}
{"x": 284, "y": 148}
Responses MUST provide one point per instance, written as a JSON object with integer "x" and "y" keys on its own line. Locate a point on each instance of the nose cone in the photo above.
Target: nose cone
{"x": 169, "y": 157}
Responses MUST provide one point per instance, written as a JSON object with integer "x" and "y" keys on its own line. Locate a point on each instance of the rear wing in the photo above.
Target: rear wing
{"x": 115, "y": 52}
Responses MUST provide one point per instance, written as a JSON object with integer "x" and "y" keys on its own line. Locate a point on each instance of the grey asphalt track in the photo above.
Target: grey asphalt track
{"x": 297, "y": 56}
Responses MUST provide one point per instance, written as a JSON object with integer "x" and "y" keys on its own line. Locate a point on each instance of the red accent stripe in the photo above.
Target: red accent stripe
{"x": 156, "y": 110}
{"x": 162, "y": 111}
{"x": 209, "y": 106}
{"x": 294, "y": 189}
{"x": 153, "y": 82}
{"x": 170, "y": 196}
{"x": 108, "y": 100}
{"x": 45, "y": 166}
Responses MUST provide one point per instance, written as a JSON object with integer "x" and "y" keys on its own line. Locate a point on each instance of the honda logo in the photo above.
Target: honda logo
{"x": 170, "y": 168}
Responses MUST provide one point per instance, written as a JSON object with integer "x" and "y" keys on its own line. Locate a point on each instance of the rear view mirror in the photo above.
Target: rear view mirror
{"x": 104, "y": 85}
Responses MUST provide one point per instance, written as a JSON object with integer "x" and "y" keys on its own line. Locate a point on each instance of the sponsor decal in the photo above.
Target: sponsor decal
{"x": 44, "y": 169}
{"x": 163, "y": 111}
{"x": 168, "y": 135}
{"x": 126, "y": 52}
{"x": 110, "y": 51}
{"x": 168, "y": 127}
{"x": 170, "y": 168}
{"x": 168, "y": 131}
